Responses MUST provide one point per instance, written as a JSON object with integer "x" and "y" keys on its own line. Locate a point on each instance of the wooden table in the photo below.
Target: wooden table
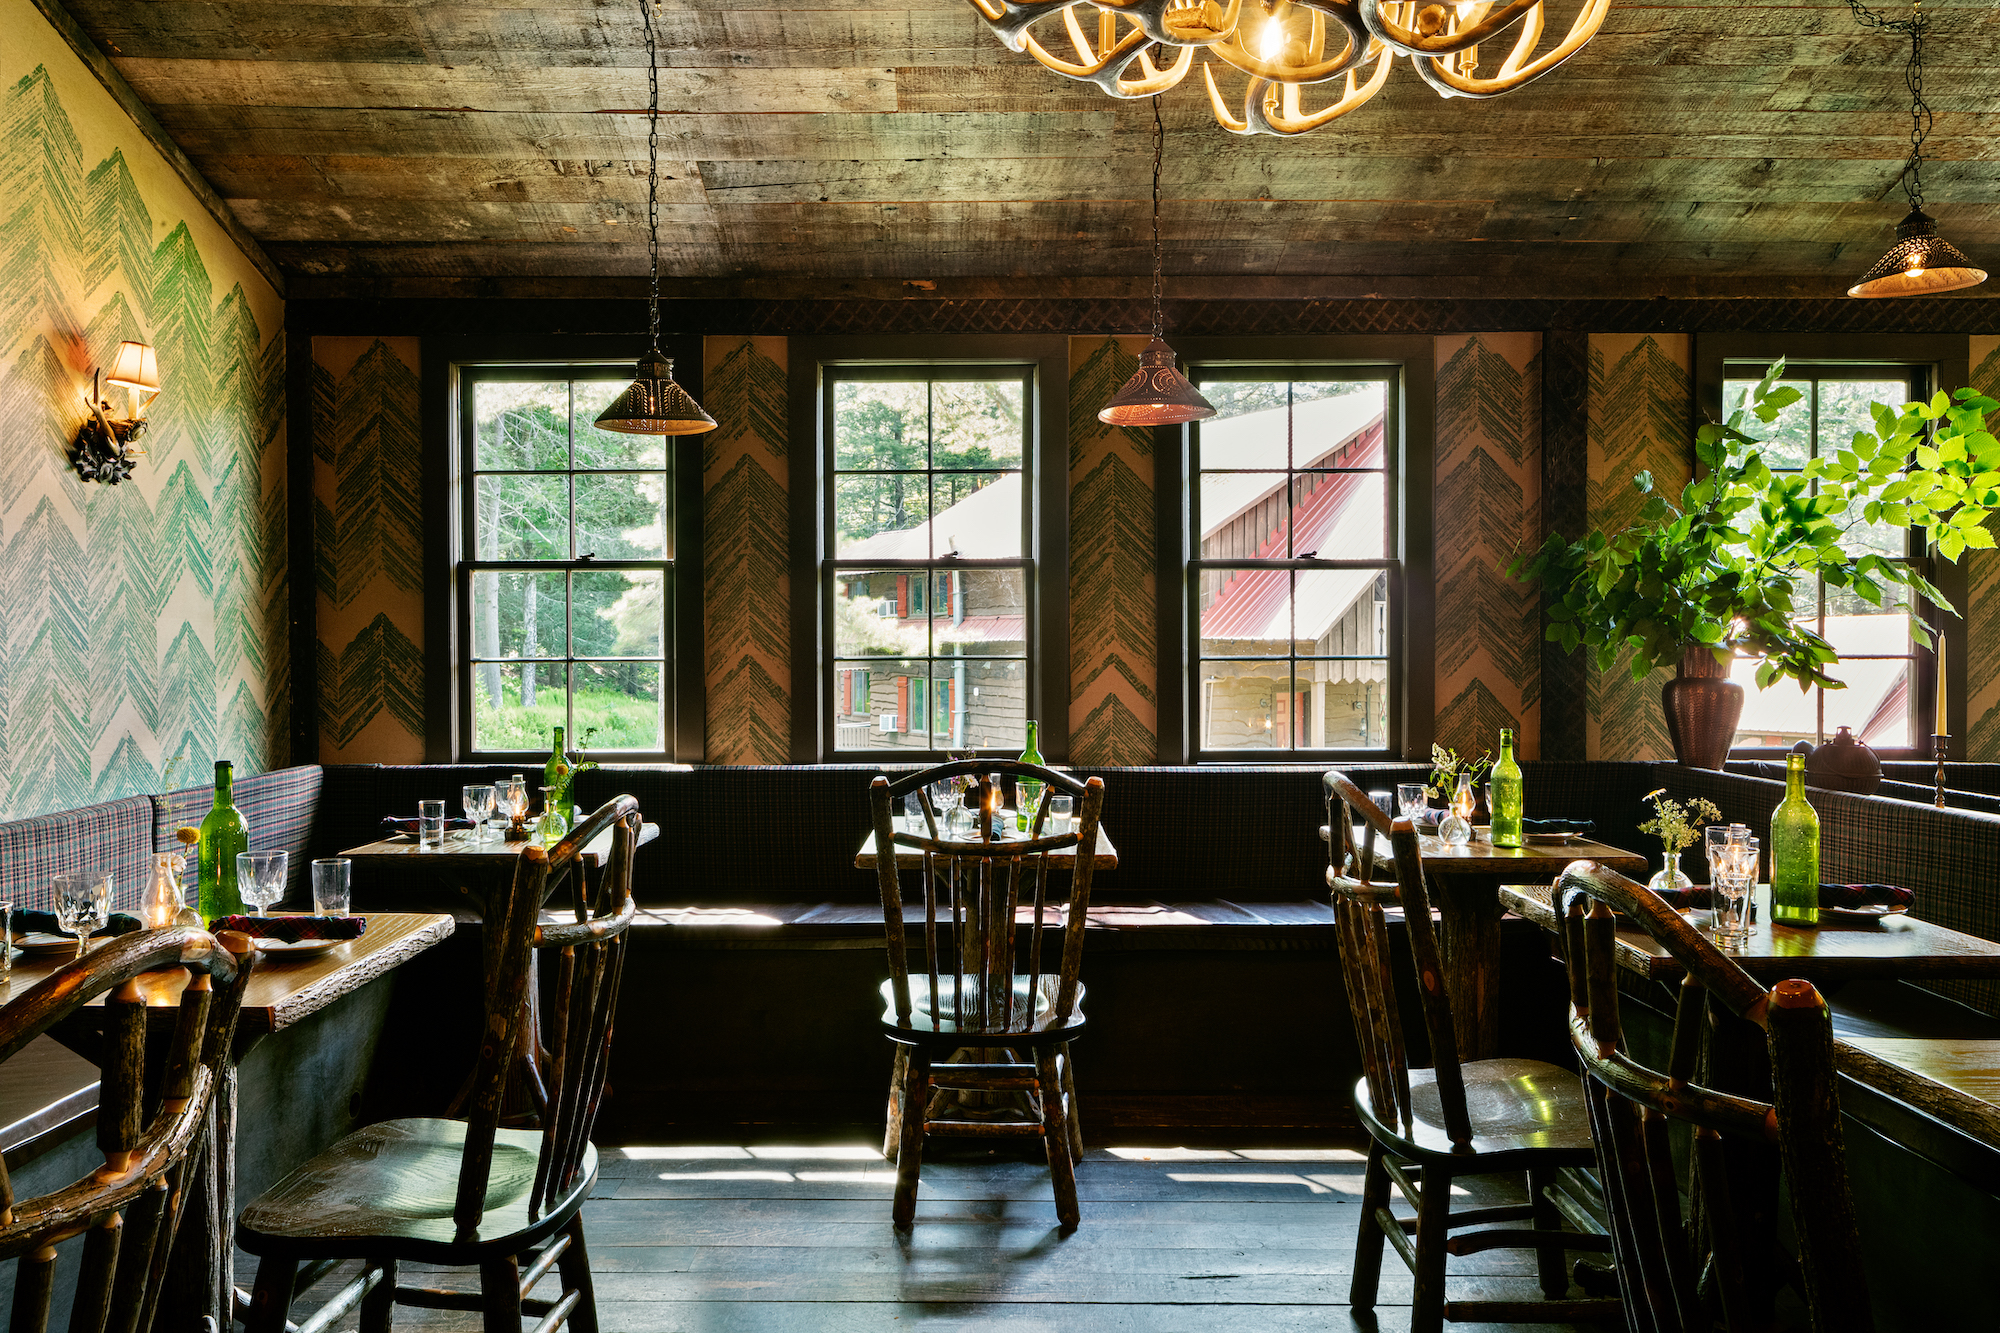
{"x": 280, "y": 994}
{"x": 1465, "y": 887}
{"x": 1895, "y": 948}
{"x": 470, "y": 869}
{"x": 1957, "y": 1081}
{"x": 909, "y": 858}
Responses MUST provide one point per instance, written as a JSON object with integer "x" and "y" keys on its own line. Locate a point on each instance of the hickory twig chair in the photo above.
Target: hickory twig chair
{"x": 1019, "y": 1023}
{"x": 128, "y": 1210}
{"x": 467, "y": 1193}
{"x": 1664, "y": 1262}
{"x": 1428, "y": 1126}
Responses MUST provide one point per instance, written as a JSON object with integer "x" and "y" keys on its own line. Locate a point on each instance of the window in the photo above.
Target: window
{"x": 565, "y": 568}
{"x": 1295, "y": 501}
{"x": 927, "y": 582}
{"x": 1878, "y": 658}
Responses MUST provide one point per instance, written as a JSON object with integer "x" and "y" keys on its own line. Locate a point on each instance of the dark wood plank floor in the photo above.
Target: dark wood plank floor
{"x": 771, "y": 1237}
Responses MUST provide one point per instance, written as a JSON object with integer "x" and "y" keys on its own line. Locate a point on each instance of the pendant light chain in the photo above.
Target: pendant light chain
{"x": 652, "y": 167}
{"x": 1916, "y": 27}
{"x": 1159, "y": 146}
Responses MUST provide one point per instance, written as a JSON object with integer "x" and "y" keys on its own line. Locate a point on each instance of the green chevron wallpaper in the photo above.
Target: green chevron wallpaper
{"x": 1114, "y": 703}
{"x": 1487, "y": 504}
{"x": 1982, "y": 603}
{"x": 147, "y": 622}
{"x": 747, "y": 581}
{"x": 368, "y": 550}
{"x": 1641, "y": 396}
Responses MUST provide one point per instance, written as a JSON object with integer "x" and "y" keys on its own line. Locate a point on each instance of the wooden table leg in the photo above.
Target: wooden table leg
{"x": 1469, "y": 917}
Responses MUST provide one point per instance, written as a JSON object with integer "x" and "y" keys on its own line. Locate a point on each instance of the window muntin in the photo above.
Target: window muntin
{"x": 1296, "y": 528}
{"x": 1878, "y": 658}
{"x": 927, "y": 582}
{"x": 566, "y": 566}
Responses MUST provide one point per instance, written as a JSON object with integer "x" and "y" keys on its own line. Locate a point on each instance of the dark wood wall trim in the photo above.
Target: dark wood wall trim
{"x": 1187, "y": 318}
{"x": 1565, "y": 509}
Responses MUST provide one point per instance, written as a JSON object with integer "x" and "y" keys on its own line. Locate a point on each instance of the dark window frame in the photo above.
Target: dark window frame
{"x": 1934, "y": 361}
{"x": 1407, "y": 363}
{"x": 450, "y": 367}
{"x": 815, "y": 362}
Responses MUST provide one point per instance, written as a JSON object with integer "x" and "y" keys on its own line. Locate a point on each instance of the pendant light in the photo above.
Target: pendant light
{"x": 1920, "y": 262}
{"x": 1157, "y": 394}
{"x": 654, "y": 404}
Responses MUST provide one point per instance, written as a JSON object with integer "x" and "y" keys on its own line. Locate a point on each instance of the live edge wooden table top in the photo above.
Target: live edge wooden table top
{"x": 911, "y": 859}
{"x": 283, "y": 991}
{"x": 1892, "y": 948}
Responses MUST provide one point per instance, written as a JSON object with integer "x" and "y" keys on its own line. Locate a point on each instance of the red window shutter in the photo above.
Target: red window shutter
{"x": 902, "y": 594}
{"x": 902, "y": 703}
{"x": 847, "y": 691}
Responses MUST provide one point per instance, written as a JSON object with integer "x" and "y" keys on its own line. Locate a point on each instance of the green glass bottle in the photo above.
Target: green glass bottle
{"x": 1508, "y": 800}
{"x": 555, "y": 778}
{"x": 1027, "y": 791}
{"x": 1795, "y": 851}
{"x": 223, "y": 835}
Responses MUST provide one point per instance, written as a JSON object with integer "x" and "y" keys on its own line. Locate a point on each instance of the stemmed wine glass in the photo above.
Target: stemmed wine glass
{"x": 478, "y": 809}
{"x": 83, "y": 903}
{"x": 260, "y": 878}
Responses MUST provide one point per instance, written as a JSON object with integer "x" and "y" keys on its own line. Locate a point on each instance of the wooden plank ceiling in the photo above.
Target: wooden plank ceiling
{"x": 1692, "y": 149}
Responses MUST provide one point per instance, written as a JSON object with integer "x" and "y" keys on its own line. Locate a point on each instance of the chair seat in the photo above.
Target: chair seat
{"x": 387, "y": 1191}
{"x": 1021, "y": 1021}
{"x": 1516, "y": 1106}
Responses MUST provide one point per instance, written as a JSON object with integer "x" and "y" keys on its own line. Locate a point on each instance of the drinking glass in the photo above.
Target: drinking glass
{"x": 430, "y": 823}
{"x": 1412, "y": 798}
{"x": 332, "y": 878}
{"x": 1732, "y": 890}
{"x": 478, "y": 808}
{"x": 6, "y": 939}
{"x": 260, "y": 877}
{"x": 1062, "y": 813}
{"x": 83, "y": 903}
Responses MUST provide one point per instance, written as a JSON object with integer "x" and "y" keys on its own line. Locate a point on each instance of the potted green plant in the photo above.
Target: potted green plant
{"x": 1726, "y": 570}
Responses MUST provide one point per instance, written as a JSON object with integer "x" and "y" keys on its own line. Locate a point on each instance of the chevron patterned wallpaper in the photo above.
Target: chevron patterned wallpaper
{"x": 1982, "y": 608}
{"x": 745, "y": 570}
{"x": 1487, "y": 504}
{"x": 368, "y": 550}
{"x": 1114, "y": 704}
{"x": 146, "y": 622}
{"x": 1641, "y": 398}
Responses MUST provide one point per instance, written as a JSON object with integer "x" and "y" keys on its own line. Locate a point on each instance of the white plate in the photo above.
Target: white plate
{"x": 41, "y": 942}
{"x": 1873, "y": 912}
{"x": 1551, "y": 839}
{"x": 283, "y": 950}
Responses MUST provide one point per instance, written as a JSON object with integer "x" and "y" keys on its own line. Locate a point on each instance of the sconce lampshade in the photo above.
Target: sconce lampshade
{"x": 135, "y": 367}
{"x": 1157, "y": 394}
{"x": 1920, "y": 263}
{"x": 654, "y": 404}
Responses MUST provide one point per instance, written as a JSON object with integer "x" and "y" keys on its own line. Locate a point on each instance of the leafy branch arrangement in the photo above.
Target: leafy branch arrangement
{"x": 1446, "y": 767}
{"x": 1677, "y": 826}
{"x": 1733, "y": 563}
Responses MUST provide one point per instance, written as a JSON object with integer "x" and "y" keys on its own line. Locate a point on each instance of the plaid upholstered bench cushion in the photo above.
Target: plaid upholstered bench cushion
{"x": 115, "y": 837}
{"x": 278, "y": 808}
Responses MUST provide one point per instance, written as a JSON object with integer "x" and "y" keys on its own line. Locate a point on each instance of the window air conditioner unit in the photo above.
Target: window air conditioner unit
{"x": 891, "y": 722}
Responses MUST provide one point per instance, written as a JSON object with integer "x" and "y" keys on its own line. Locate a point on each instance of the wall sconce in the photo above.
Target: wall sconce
{"x": 106, "y": 449}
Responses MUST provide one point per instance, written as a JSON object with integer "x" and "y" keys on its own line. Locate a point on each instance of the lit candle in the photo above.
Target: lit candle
{"x": 1939, "y": 729}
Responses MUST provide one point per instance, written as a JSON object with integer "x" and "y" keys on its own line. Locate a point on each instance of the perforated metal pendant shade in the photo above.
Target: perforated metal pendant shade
{"x": 654, "y": 404}
{"x": 1919, "y": 264}
{"x": 1157, "y": 394}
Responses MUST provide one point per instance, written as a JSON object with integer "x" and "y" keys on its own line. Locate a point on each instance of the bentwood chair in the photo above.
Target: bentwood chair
{"x": 1664, "y": 1262}
{"x": 129, "y": 1209}
{"x": 468, "y": 1193}
{"x": 1431, "y": 1125}
{"x": 982, "y": 1017}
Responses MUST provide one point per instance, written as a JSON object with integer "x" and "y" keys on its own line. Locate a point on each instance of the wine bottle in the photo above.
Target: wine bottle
{"x": 1508, "y": 801}
{"x": 1027, "y": 791}
{"x": 555, "y": 778}
{"x": 223, "y": 835}
{"x": 1795, "y": 851}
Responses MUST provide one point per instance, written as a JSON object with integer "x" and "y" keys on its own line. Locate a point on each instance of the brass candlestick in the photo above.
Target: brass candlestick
{"x": 1940, "y": 745}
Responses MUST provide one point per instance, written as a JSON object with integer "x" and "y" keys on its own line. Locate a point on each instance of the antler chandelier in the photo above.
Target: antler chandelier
{"x": 1283, "y": 45}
